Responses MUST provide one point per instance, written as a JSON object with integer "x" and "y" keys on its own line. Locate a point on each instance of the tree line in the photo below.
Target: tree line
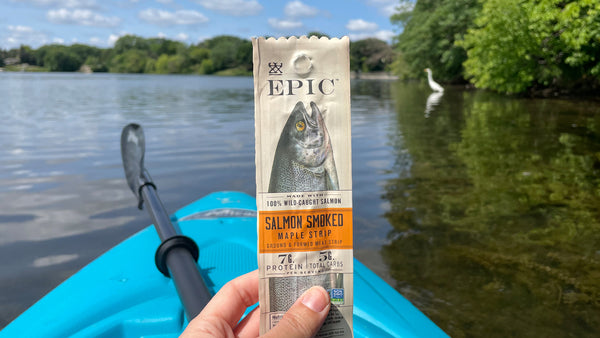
{"x": 509, "y": 46}
{"x": 222, "y": 55}
{"x": 135, "y": 54}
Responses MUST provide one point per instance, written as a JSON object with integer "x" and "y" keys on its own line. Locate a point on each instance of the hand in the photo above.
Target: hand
{"x": 221, "y": 315}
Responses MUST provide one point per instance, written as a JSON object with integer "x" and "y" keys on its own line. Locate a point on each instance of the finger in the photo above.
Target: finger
{"x": 305, "y": 317}
{"x": 207, "y": 327}
{"x": 248, "y": 327}
{"x": 230, "y": 303}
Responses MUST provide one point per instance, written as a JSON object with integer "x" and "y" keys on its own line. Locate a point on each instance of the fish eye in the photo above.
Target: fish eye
{"x": 300, "y": 126}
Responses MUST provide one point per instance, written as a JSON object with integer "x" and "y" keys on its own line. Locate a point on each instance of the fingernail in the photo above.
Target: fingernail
{"x": 316, "y": 299}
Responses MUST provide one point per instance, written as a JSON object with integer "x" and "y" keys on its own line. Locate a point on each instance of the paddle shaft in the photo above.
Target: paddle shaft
{"x": 190, "y": 286}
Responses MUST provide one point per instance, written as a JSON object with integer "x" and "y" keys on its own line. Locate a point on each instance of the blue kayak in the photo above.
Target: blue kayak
{"x": 122, "y": 294}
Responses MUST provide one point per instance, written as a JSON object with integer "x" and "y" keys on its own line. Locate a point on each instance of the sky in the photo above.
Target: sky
{"x": 101, "y": 22}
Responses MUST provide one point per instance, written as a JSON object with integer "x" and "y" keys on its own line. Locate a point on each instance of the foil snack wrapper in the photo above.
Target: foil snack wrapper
{"x": 304, "y": 176}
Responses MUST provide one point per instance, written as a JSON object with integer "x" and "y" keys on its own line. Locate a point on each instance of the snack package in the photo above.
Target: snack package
{"x": 304, "y": 176}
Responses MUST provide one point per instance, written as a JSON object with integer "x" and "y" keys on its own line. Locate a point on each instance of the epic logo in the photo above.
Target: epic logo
{"x": 290, "y": 87}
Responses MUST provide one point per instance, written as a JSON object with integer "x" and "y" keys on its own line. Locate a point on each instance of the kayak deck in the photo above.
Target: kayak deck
{"x": 122, "y": 294}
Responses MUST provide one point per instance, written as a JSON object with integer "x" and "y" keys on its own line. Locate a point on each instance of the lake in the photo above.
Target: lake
{"x": 483, "y": 210}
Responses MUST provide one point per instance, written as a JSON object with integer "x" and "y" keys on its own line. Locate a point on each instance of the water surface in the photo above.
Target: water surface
{"x": 480, "y": 209}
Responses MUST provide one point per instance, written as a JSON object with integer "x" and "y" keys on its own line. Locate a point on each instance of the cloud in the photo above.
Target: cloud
{"x": 165, "y": 2}
{"x": 77, "y": 3}
{"x": 232, "y": 7}
{"x": 166, "y": 18}
{"x": 388, "y": 8}
{"x": 284, "y": 25}
{"x": 106, "y": 42}
{"x": 14, "y": 36}
{"x": 58, "y": 40}
{"x": 361, "y": 25}
{"x": 202, "y": 38}
{"x": 297, "y": 9}
{"x": 20, "y": 29}
{"x": 385, "y": 35}
{"x": 83, "y": 17}
{"x": 112, "y": 39}
{"x": 182, "y": 37}
{"x": 63, "y": 3}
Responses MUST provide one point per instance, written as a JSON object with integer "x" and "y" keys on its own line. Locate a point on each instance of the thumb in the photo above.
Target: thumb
{"x": 305, "y": 317}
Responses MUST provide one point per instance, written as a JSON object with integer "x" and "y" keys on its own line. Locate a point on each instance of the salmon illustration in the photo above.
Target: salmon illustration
{"x": 304, "y": 158}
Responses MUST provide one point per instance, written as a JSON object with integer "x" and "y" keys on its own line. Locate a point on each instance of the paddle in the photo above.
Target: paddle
{"x": 177, "y": 255}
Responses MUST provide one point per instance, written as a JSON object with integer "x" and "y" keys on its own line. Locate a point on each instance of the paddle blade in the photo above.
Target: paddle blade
{"x": 133, "y": 147}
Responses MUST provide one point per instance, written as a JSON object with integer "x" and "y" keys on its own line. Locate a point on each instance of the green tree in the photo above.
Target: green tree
{"x": 317, "y": 34}
{"x": 533, "y": 44}
{"x": 96, "y": 64}
{"x": 128, "y": 42}
{"x": 41, "y": 52}
{"x": 131, "y": 61}
{"x": 229, "y": 52}
{"x": 160, "y": 46}
{"x": 11, "y": 53}
{"x": 83, "y": 51}
{"x": 160, "y": 66}
{"x": 150, "y": 66}
{"x": 206, "y": 67}
{"x": 177, "y": 64}
{"x": 199, "y": 59}
{"x": 243, "y": 56}
{"x": 171, "y": 64}
{"x": 501, "y": 60}
{"x": 429, "y": 32}
{"x": 27, "y": 55}
{"x": 198, "y": 54}
{"x": 59, "y": 58}
{"x": 370, "y": 55}
{"x": 579, "y": 25}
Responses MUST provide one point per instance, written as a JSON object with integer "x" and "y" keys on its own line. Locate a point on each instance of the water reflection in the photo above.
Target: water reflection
{"x": 53, "y": 260}
{"x": 496, "y": 229}
{"x": 432, "y": 100}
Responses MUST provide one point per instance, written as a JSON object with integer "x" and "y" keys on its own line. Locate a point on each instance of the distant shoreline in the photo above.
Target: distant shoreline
{"x": 373, "y": 76}
{"x": 353, "y": 75}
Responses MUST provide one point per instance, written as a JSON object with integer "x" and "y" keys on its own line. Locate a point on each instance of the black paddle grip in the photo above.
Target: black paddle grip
{"x": 179, "y": 241}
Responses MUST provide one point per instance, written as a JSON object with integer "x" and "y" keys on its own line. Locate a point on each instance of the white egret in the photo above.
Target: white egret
{"x": 434, "y": 85}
